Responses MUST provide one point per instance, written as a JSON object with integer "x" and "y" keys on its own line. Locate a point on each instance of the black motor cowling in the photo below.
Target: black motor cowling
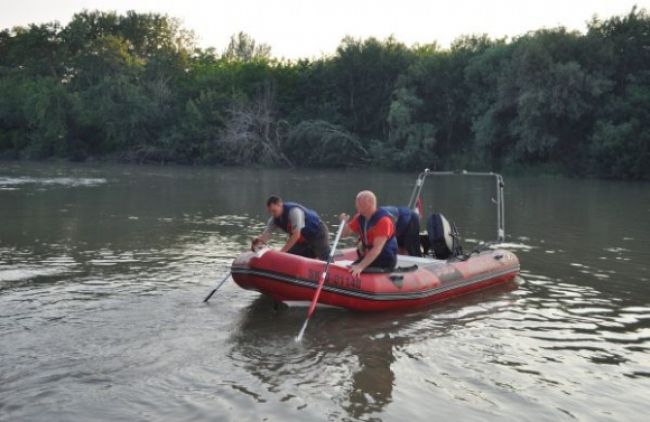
{"x": 443, "y": 237}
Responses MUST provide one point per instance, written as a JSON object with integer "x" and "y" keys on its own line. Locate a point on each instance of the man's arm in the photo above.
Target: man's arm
{"x": 347, "y": 231}
{"x": 293, "y": 239}
{"x": 370, "y": 256}
{"x": 265, "y": 236}
{"x": 268, "y": 230}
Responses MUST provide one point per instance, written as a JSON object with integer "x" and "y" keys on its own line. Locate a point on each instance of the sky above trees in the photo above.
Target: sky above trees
{"x": 297, "y": 28}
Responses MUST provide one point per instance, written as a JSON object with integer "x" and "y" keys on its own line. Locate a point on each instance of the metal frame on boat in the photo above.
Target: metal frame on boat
{"x": 419, "y": 183}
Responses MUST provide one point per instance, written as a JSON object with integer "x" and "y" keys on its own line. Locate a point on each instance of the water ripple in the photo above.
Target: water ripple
{"x": 101, "y": 314}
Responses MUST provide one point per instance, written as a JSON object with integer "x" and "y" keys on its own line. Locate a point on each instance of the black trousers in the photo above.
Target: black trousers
{"x": 315, "y": 247}
{"x": 410, "y": 238}
{"x": 380, "y": 264}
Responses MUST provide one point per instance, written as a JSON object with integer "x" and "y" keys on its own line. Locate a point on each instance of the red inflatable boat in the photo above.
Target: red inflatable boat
{"x": 415, "y": 282}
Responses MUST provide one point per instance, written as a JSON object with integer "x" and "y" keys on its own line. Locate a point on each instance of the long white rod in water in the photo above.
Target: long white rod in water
{"x": 321, "y": 282}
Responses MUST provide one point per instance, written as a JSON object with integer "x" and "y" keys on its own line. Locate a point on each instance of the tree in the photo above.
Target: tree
{"x": 244, "y": 48}
{"x": 365, "y": 73}
{"x": 317, "y": 143}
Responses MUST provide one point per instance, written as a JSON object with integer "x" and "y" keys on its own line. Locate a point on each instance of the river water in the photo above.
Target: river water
{"x": 103, "y": 269}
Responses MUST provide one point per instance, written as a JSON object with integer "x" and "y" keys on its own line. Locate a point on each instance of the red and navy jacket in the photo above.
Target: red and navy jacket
{"x": 312, "y": 220}
{"x": 365, "y": 230}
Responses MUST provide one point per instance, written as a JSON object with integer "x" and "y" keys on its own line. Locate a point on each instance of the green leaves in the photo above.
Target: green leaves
{"x": 135, "y": 86}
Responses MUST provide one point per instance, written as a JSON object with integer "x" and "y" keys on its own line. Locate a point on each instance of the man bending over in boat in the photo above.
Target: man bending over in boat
{"x": 407, "y": 229}
{"x": 308, "y": 235}
{"x": 377, "y": 231}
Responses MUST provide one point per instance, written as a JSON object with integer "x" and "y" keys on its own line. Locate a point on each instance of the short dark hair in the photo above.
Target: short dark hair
{"x": 273, "y": 199}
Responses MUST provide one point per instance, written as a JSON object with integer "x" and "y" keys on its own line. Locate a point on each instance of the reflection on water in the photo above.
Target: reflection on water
{"x": 103, "y": 268}
{"x": 353, "y": 353}
{"x": 7, "y": 182}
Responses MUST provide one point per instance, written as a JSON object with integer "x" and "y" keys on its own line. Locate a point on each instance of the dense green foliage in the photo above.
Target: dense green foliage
{"x": 135, "y": 87}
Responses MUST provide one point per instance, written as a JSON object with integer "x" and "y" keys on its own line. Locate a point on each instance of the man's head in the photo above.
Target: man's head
{"x": 366, "y": 203}
{"x": 274, "y": 205}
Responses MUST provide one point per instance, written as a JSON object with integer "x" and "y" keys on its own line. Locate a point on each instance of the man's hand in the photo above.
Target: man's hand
{"x": 293, "y": 239}
{"x": 356, "y": 269}
{"x": 369, "y": 256}
{"x": 344, "y": 218}
{"x": 257, "y": 244}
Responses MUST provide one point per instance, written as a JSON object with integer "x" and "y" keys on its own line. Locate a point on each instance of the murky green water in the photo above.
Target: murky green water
{"x": 103, "y": 269}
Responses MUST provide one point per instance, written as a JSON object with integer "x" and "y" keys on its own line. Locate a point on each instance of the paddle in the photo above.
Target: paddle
{"x": 216, "y": 288}
{"x": 321, "y": 282}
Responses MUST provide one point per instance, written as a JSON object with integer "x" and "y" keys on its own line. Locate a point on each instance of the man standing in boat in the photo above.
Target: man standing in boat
{"x": 308, "y": 235}
{"x": 407, "y": 229}
{"x": 377, "y": 231}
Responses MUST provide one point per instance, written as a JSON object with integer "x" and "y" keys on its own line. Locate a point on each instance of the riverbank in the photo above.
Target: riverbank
{"x": 546, "y": 171}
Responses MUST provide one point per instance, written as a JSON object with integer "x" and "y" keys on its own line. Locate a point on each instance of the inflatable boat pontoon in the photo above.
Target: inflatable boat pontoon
{"x": 415, "y": 281}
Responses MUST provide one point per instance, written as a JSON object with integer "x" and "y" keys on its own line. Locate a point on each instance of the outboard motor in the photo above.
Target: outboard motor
{"x": 443, "y": 237}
